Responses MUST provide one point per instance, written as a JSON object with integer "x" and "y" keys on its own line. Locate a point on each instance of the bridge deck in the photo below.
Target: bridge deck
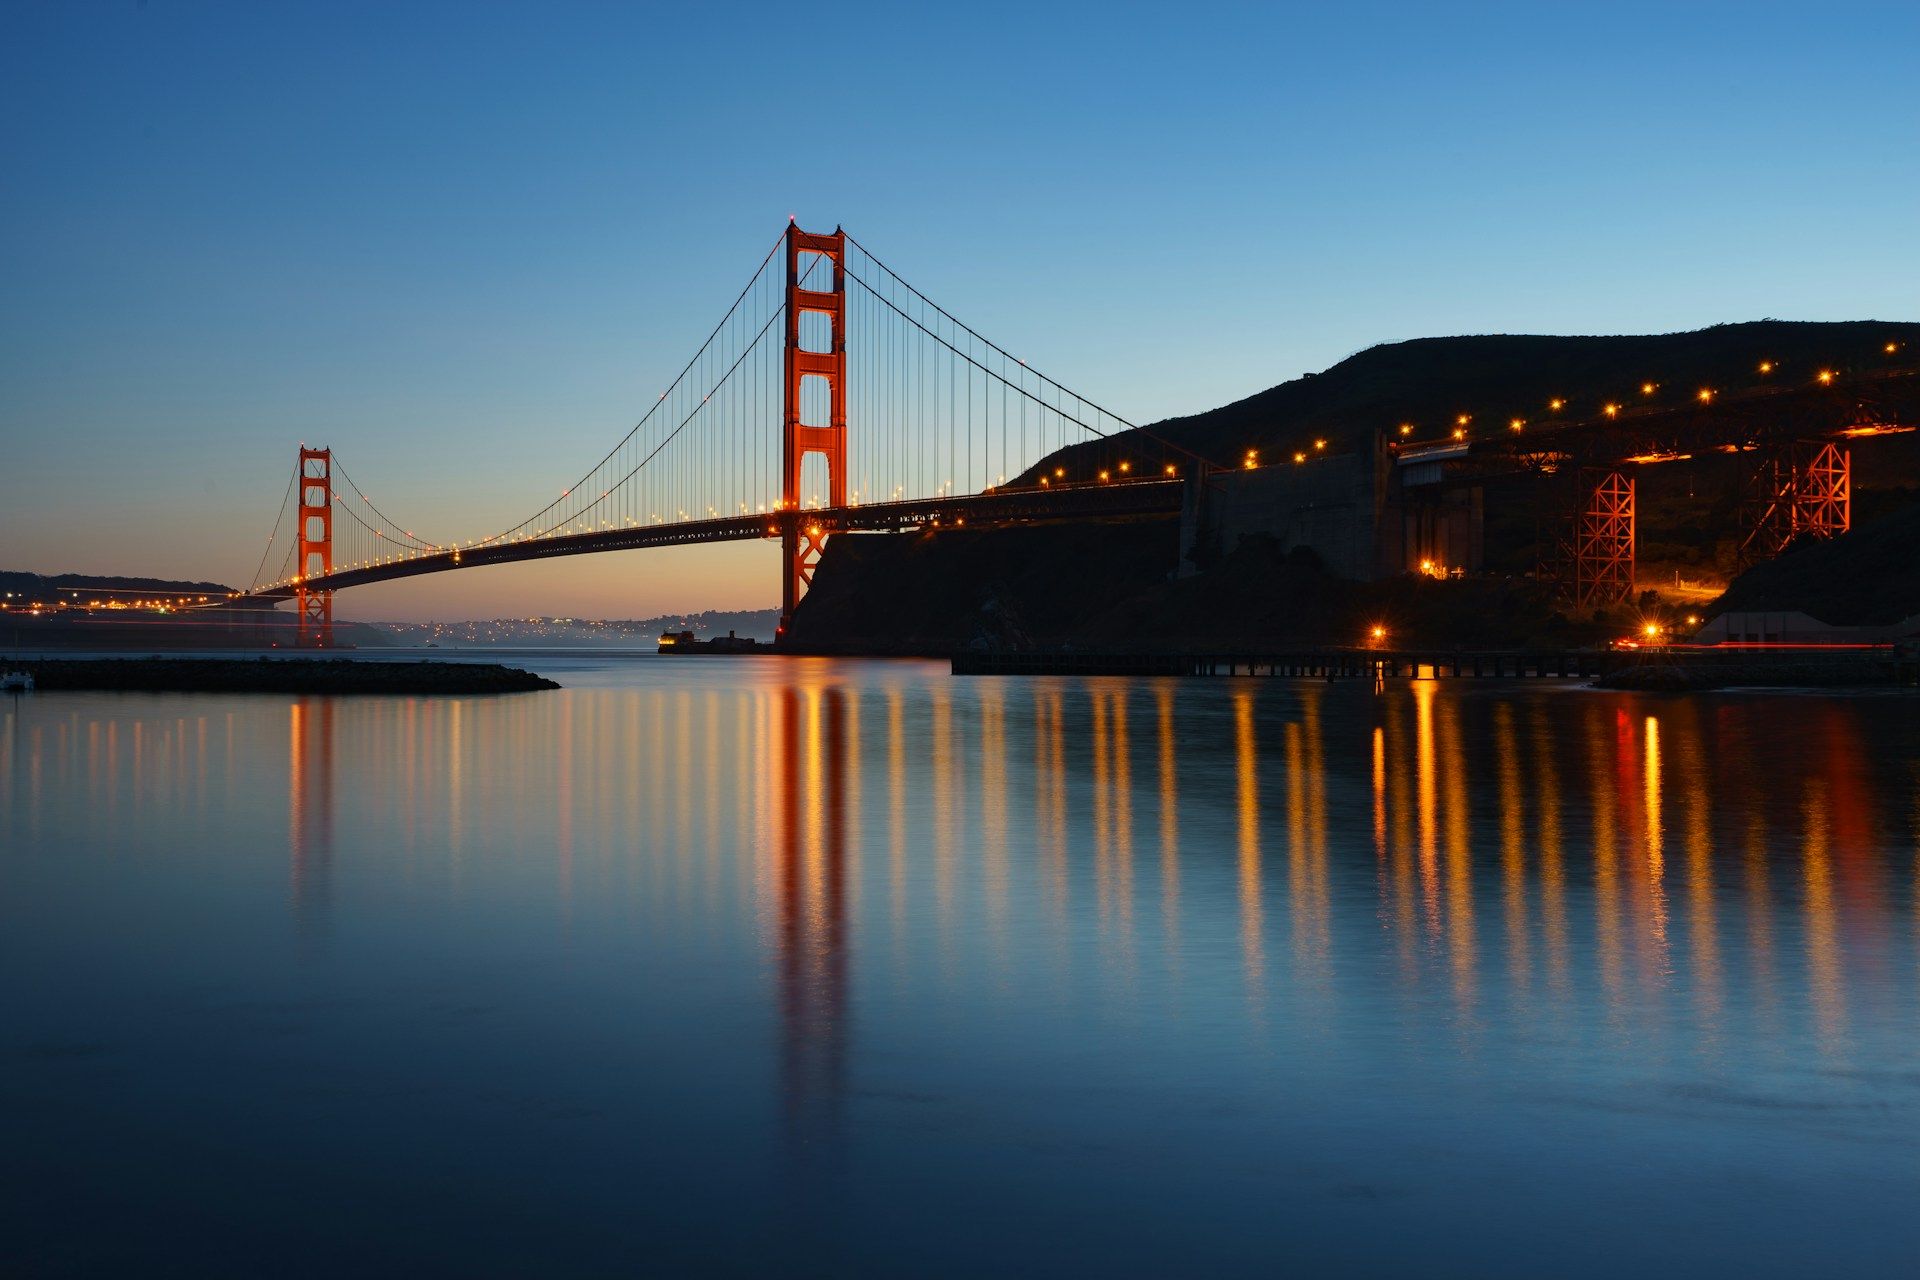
{"x": 1127, "y": 499}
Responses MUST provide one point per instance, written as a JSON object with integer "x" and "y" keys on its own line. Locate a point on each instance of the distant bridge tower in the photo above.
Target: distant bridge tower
{"x": 801, "y": 543}
{"x": 315, "y": 608}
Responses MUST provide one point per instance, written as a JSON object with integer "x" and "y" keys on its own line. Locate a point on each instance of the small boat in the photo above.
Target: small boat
{"x": 17, "y": 682}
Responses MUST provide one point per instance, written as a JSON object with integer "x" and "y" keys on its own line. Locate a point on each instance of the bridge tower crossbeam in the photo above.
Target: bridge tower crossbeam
{"x": 801, "y": 542}
{"x": 314, "y": 609}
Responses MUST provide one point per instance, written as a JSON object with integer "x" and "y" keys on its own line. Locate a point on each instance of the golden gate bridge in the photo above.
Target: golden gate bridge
{"x": 753, "y": 440}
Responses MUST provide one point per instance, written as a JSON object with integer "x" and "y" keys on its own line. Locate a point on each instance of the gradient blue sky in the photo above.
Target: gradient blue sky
{"x": 465, "y": 244}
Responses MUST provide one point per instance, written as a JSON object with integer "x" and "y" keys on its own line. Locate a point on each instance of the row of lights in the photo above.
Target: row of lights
{"x": 1705, "y": 395}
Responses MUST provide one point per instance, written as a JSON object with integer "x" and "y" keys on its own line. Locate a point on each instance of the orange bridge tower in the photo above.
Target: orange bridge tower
{"x": 825, "y": 359}
{"x": 315, "y": 607}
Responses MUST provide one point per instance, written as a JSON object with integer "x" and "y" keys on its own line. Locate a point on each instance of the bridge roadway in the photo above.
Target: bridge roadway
{"x": 1123, "y": 499}
{"x": 1855, "y": 405}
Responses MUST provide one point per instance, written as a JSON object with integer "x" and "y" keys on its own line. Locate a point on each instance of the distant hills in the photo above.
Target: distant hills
{"x": 47, "y": 588}
{"x": 619, "y": 632}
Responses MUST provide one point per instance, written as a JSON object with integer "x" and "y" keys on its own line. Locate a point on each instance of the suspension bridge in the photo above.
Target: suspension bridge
{"x": 832, "y": 397}
{"x": 835, "y": 397}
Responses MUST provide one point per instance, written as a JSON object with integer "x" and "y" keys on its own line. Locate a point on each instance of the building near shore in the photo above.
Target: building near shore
{"x": 1794, "y": 627}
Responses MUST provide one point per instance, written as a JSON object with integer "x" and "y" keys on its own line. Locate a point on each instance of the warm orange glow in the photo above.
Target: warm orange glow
{"x": 1319, "y": 444}
{"x": 1104, "y": 475}
{"x": 1406, "y": 428}
{"x": 1379, "y": 633}
{"x": 1059, "y": 471}
{"x": 1651, "y": 629}
{"x": 1464, "y": 419}
{"x": 1045, "y": 480}
{"x": 1766, "y": 366}
{"x": 1517, "y": 424}
{"x": 1171, "y": 469}
{"x": 1299, "y": 457}
{"x": 1459, "y": 433}
{"x": 1612, "y": 411}
{"x": 1706, "y": 395}
{"x": 1126, "y": 466}
{"x": 1892, "y": 347}
{"x": 1556, "y": 404}
{"x": 1648, "y": 388}
{"x": 1826, "y": 377}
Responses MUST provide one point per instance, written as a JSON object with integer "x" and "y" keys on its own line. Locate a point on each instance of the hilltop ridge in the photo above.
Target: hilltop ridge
{"x": 1428, "y": 382}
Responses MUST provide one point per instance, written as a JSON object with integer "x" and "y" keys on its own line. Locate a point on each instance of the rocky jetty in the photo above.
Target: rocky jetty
{"x": 277, "y": 675}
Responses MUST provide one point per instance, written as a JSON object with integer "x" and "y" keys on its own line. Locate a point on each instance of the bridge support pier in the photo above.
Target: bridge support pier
{"x": 801, "y": 543}
{"x": 1801, "y": 488}
{"x": 314, "y": 609}
{"x": 1598, "y": 560}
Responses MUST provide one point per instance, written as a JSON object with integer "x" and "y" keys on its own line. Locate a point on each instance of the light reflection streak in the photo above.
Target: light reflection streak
{"x": 1656, "y": 849}
{"x": 1825, "y": 976}
{"x": 1247, "y": 774}
{"x": 1553, "y": 879}
{"x": 1513, "y": 847}
{"x": 1169, "y": 819}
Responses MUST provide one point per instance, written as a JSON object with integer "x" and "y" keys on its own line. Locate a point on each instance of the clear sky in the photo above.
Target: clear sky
{"x": 466, "y": 244}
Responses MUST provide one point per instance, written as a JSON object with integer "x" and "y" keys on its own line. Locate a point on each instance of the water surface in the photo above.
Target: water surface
{"x": 808, "y": 967}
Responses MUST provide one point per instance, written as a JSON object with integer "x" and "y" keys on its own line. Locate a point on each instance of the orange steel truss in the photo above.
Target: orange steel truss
{"x": 314, "y": 609}
{"x": 1801, "y": 489}
{"x": 1600, "y": 566}
{"x": 802, "y": 543}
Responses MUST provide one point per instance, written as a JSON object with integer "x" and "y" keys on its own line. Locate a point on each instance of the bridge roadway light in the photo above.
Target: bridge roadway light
{"x": 1319, "y": 444}
{"x": 1517, "y": 423}
{"x": 1612, "y": 410}
{"x": 1459, "y": 433}
{"x": 1766, "y": 366}
{"x": 1892, "y": 347}
{"x": 1406, "y": 428}
{"x": 1556, "y": 404}
{"x": 1706, "y": 395}
{"x": 1826, "y": 377}
{"x": 1299, "y": 458}
{"x": 1648, "y": 388}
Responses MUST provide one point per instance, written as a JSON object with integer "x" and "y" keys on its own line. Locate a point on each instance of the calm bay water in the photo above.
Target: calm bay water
{"x": 812, "y": 967}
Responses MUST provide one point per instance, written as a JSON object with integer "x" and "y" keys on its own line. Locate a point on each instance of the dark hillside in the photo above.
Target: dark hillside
{"x": 1110, "y": 588}
{"x": 1869, "y": 577}
{"x": 1495, "y": 378}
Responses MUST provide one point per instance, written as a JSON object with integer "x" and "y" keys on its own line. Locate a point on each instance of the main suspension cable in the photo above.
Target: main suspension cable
{"x": 648, "y": 416}
{"x": 277, "y": 521}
